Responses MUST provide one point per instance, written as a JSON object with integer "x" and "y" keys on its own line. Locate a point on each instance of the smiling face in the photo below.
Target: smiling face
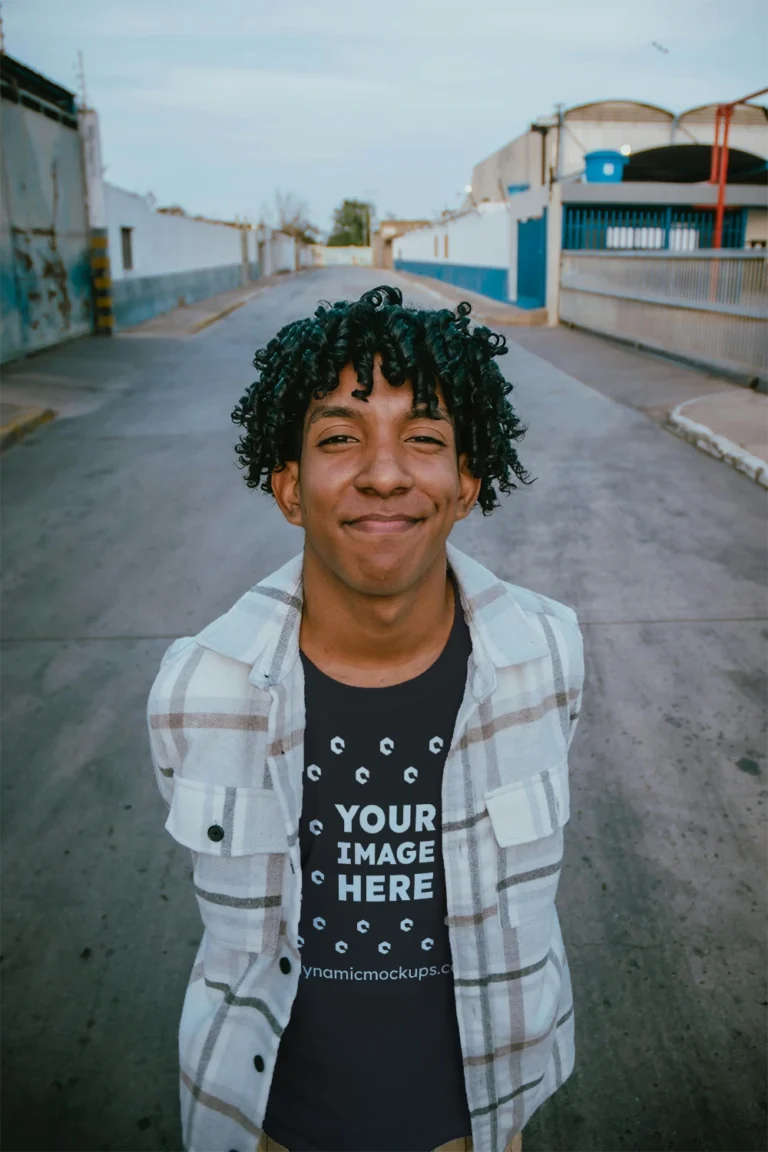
{"x": 378, "y": 488}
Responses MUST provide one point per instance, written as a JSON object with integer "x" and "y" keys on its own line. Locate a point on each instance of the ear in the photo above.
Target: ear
{"x": 469, "y": 489}
{"x": 285, "y": 486}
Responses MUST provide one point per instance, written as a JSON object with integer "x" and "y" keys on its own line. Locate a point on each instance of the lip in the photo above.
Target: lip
{"x": 384, "y": 525}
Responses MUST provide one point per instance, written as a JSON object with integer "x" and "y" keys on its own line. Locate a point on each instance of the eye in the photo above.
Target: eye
{"x": 429, "y": 440}
{"x": 332, "y": 439}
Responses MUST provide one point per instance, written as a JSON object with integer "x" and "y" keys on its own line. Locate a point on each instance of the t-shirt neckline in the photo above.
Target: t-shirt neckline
{"x": 392, "y": 694}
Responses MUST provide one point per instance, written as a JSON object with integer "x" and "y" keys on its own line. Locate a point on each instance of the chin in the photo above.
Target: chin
{"x": 380, "y": 573}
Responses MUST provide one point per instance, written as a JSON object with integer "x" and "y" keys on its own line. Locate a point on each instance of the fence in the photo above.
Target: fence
{"x": 710, "y": 307}
{"x": 675, "y": 228}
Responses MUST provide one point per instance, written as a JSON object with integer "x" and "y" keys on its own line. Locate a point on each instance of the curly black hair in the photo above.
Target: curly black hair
{"x": 418, "y": 346}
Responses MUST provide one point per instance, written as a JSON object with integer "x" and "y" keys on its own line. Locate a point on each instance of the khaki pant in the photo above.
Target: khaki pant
{"x": 463, "y": 1144}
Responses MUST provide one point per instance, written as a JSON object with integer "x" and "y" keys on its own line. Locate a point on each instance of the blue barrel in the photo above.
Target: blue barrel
{"x": 605, "y": 167}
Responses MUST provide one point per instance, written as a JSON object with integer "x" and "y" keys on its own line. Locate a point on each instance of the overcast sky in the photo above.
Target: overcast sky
{"x": 212, "y": 104}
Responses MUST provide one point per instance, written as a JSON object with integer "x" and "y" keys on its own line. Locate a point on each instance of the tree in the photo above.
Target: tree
{"x": 292, "y": 217}
{"x": 352, "y": 222}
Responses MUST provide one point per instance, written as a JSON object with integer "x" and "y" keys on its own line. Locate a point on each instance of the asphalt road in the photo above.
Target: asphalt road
{"x": 129, "y": 524}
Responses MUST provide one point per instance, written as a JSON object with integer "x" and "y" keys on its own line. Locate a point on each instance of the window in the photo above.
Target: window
{"x": 445, "y": 246}
{"x": 437, "y": 251}
{"x": 126, "y": 241}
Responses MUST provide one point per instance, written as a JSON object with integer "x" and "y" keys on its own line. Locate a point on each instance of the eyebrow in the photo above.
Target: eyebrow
{"x": 328, "y": 411}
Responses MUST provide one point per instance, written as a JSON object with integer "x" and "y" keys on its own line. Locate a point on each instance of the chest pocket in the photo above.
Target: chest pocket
{"x": 527, "y": 818}
{"x": 240, "y": 852}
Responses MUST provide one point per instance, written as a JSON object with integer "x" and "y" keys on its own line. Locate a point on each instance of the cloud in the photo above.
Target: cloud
{"x": 215, "y": 103}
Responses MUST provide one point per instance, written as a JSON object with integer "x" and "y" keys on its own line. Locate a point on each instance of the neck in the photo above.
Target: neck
{"x": 372, "y": 641}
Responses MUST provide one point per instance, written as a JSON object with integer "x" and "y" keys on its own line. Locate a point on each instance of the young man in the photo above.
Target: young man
{"x": 367, "y": 756}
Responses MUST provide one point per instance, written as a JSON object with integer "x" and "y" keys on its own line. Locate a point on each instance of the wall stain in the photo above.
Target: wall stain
{"x": 46, "y": 284}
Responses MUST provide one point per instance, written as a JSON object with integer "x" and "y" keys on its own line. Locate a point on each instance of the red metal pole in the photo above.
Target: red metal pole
{"x": 715, "y": 165}
{"x": 751, "y": 96}
{"x": 717, "y": 240}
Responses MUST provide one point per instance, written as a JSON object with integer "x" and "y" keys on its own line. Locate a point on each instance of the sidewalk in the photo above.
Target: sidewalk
{"x": 30, "y": 394}
{"x": 192, "y": 318}
{"x": 484, "y": 309}
{"x": 724, "y": 419}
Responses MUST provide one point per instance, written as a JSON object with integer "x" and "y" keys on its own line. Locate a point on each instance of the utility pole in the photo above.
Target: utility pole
{"x": 560, "y": 112}
{"x": 368, "y": 193}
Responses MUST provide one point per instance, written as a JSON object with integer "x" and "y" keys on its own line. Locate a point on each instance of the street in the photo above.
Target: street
{"x": 129, "y": 524}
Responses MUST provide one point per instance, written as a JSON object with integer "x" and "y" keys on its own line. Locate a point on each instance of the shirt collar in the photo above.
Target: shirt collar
{"x": 262, "y": 628}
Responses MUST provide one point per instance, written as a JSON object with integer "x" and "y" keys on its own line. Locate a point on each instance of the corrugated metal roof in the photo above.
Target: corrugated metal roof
{"x": 742, "y": 114}
{"x": 618, "y": 112}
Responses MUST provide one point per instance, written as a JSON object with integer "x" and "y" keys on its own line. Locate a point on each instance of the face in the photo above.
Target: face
{"x": 378, "y": 488}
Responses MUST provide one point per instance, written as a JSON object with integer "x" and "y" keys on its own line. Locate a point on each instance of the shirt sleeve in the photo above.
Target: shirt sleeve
{"x": 162, "y": 749}
{"x": 575, "y": 677}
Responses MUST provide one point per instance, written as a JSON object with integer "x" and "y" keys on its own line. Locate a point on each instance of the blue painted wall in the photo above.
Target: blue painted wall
{"x": 491, "y": 282}
{"x": 139, "y": 298}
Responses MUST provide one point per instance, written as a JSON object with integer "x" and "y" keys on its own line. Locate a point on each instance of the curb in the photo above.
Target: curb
{"x": 19, "y": 427}
{"x": 718, "y": 446}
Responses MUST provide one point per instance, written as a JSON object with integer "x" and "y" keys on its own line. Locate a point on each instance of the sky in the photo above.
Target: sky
{"x": 215, "y": 104}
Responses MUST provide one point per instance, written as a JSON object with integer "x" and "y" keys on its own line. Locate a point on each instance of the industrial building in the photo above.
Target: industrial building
{"x": 625, "y": 179}
{"x": 653, "y": 145}
{"x": 616, "y": 174}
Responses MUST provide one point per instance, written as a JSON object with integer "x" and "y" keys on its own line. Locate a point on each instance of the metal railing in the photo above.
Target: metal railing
{"x": 710, "y": 307}
{"x": 675, "y": 228}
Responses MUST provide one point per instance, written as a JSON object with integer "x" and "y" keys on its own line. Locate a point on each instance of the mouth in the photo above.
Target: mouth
{"x": 383, "y": 525}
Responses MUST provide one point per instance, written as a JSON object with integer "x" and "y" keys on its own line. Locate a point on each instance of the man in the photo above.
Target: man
{"x": 367, "y": 756}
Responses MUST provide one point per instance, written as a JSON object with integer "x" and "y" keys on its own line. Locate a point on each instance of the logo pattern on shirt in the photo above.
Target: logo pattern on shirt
{"x": 358, "y": 821}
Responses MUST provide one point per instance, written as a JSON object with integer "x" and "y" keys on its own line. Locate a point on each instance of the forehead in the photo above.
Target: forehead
{"x": 394, "y": 398}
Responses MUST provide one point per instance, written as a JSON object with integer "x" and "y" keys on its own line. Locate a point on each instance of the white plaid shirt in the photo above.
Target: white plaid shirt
{"x": 226, "y": 724}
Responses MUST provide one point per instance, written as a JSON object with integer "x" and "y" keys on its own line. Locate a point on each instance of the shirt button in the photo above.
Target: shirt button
{"x": 215, "y": 833}
{"x": 285, "y": 965}
{"x": 258, "y": 1063}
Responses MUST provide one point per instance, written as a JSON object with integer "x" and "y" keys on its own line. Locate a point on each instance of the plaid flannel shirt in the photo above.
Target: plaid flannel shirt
{"x": 226, "y": 723}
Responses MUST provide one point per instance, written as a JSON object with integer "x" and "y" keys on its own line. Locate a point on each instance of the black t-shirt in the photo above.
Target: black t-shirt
{"x": 371, "y": 1059}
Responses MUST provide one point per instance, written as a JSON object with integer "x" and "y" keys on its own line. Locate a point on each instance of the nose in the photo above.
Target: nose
{"x": 384, "y": 471}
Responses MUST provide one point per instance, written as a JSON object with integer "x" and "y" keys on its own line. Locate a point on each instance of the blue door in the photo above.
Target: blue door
{"x": 532, "y": 262}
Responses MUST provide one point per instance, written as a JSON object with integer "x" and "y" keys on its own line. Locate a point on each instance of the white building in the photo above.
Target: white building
{"x": 151, "y": 259}
{"x": 555, "y": 147}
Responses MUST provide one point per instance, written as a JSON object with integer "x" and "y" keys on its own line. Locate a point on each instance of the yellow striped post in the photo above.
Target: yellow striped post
{"x": 101, "y": 278}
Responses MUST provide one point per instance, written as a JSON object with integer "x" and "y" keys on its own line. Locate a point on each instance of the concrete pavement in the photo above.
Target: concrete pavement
{"x": 31, "y": 397}
{"x": 722, "y": 418}
{"x": 127, "y": 524}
